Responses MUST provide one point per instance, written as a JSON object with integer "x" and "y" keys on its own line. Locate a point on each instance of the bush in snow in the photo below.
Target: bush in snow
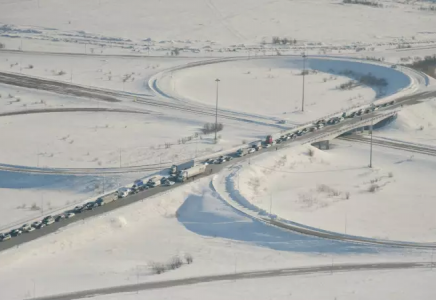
{"x": 175, "y": 263}
{"x": 210, "y": 127}
{"x": 35, "y": 207}
{"x": 2, "y": 46}
{"x": 311, "y": 152}
{"x": 189, "y": 259}
{"x": 363, "y": 2}
{"x": 373, "y": 188}
{"x": 157, "y": 268}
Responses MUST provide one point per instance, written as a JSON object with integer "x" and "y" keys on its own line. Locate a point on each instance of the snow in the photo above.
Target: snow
{"x": 331, "y": 190}
{"x": 115, "y": 45}
{"x": 415, "y": 124}
{"x": 224, "y": 21}
{"x": 118, "y": 247}
{"x": 399, "y": 284}
{"x": 271, "y": 87}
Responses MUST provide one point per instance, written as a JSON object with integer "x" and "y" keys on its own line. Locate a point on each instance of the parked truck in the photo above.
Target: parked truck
{"x": 177, "y": 168}
{"x": 106, "y": 199}
{"x": 191, "y": 172}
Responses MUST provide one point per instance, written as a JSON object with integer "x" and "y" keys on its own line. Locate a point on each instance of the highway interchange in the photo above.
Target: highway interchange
{"x": 327, "y": 132}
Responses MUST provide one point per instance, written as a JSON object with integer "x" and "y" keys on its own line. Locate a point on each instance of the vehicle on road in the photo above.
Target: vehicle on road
{"x": 251, "y": 150}
{"x": 69, "y": 215}
{"x": 91, "y": 205}
{"x": 15, "y": 232}
{"x": 4, "y": 237}
{"x": 27, "y": 228}
{"x": 38, "y": 225}
{"x": 242, "y": 152}
{"x": 154, "y": 181}
{"x": 123, "y": 192}
{"x": 175, "y": 169}
{"x": 191, "y": 172}
{"x": 48, "y": 220}
{"x": 392, "y": 102}
{"x": 168, "y": 183}
{"x": 209, "y": 161}
{"x": 137, "y": 184}
{"x": 108, "y": 198}
{"x": 59, "y": 218}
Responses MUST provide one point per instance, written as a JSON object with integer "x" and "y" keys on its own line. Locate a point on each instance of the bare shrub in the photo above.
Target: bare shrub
{"x": 311, "y": 152}
{"x": 210, "y": 127}
{"x": 175, "y": 263}
{"x": 421, "y": 127}
{"x": 30, "y": 66}
{"x": 373, "y": 188}
{"x": 35, "y": 207}
{"x": 391, "y": 174}
{"x": 244, "y": 142}
{"x": 189, "y": 259}
{"x": 157, "y": 268}
{"x": 347, "y": 195}
{"x": 60, "y": 73}
{"x": 2, "y": 46}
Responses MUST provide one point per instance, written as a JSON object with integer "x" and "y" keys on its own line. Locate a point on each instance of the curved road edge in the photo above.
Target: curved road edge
{"x": 239, "y": 276}
{"x": 312, "y": 231}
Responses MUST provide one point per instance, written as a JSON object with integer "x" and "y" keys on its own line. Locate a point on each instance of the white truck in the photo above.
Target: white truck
{"x": 191, "y": 172}
{"x": 106, "y": 199}
{"x": 154, "y": 181}
{"x": 177, "y": 168}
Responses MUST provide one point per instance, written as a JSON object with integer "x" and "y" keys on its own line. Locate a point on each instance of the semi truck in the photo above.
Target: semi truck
{"x": 106, "y": 199}
{"x": 177, "y": 168}
{"x": 191, "y": 172}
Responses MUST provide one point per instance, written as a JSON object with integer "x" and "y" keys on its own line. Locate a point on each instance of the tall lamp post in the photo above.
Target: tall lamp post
{"x": 370, "y": 153}
{"x": 216, "y": 110}
{"x": 304, "y": 73}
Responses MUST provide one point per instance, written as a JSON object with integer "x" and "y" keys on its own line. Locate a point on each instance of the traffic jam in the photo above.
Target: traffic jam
{"x": 183, "y": 172}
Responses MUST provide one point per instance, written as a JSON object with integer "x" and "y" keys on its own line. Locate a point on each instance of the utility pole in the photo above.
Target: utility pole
{"x": 304, "y": 73}
{"x": 104, "y": 183}
{"x": 120, "y": 157}
{"x": 270, "y": 206}
{"x": 42, "y": 203}
{"x": 370, "y": 153}
{"x": 216, "y": 110}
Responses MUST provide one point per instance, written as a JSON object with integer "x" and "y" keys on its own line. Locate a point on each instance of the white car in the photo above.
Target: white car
{"x": 4, "y": 237}
{"x": 69, "y": 215}
{"x": 27, "y": 228}
{"x": 38, "y": 225}
{"x": 251, "y": 150}
{"x": 168, "y": 183}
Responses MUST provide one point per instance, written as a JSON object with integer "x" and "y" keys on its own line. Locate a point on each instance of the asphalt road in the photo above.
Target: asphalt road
{"x": 238, "y": 276}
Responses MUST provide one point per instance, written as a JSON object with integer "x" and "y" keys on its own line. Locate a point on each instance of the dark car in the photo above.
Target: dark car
{"x": 59, "y": 218}
{"x": 15, "y": 232}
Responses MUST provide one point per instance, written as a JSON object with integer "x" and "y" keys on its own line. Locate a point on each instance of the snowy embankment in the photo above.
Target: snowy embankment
{"x": 415, "y": 124}
{"x": 336, "y": 191}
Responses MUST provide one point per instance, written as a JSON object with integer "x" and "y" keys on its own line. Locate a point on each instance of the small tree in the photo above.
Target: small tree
{"x": 2, "y": 46}
{"x": 189, "y": 259}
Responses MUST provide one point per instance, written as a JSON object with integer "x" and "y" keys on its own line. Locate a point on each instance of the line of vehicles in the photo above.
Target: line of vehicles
{"x": 185, "y": 171}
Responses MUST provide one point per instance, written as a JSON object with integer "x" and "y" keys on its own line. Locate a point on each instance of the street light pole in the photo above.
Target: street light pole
{"x": 370, "y": 153}
{"x": 304, "y": 73}
{"x": 216, "y": 110}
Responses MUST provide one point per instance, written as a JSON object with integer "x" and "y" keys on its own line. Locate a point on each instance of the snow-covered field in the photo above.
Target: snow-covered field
{"x": 401, "y": 285}
{"x": 120, "y": 247}
{"x": 335, "y": 190}
{"x": 332, "y": 190}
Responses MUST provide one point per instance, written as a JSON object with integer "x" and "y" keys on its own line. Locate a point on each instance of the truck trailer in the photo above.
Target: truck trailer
{"x": 106, "y": 199}
{"x": 191, "y": 172}
{"x": 177, "y": 168}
